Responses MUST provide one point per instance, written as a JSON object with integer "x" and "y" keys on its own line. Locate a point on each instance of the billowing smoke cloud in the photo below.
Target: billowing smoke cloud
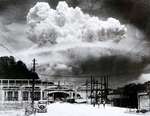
{"x": 70, "y": 25}
{"x": 68, "y": 41}
{"x": 76, "y": 43}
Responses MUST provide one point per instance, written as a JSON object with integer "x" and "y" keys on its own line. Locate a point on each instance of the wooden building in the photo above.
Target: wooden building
{"x": 20, "y": 90}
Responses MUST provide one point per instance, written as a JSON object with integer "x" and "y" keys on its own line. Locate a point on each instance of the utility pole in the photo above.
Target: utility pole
{"x": 91, "y": 88}
{"x": 94, "y": 94}
{"x": 87, "y": 91}
{"x": 33, "y": 85}
{"x": 101, "y": 88}
{"x": 96, "y": 97}
{"x": 105, "y": 87}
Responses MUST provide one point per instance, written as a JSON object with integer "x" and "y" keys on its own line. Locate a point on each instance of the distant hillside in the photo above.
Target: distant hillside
{"x": 12, "y": 69}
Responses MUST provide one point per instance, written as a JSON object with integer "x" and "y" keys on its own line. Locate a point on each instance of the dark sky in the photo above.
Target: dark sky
{"x": 134, "y": 11}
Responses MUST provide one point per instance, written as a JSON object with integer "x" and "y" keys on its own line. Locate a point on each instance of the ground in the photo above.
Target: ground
{"x": 66, "y": 109}
{"x": 12, "y": 113}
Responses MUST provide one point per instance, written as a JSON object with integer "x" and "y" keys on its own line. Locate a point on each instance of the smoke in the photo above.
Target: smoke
{"x": 67, "y": 41}
{"x": 67, "y": 24}
{"x": 77, "y": 43}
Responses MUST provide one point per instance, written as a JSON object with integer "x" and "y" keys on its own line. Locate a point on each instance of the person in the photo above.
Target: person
{"x": 98, "y": 103}
{"x": 26, "y": 111}
{"x": 103, "y": 102}
{"x": 94, "y": 103}
{"x": 34, "y": 111}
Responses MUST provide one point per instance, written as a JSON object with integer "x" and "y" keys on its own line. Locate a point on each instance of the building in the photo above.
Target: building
{"x": 20, "y": 90}
{"x": 144, "y": 97}
{"x": 143, "y": 101}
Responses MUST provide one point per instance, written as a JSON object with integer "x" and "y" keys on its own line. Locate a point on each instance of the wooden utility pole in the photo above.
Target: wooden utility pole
{"x": 93, "y": 91}
{"x": 106, "y": 87}
{"x": 99, "y": 90}
{"x": 91, "y": 88}
{"x": 86, "y": 90}
{"x": 33, "y": 84}
{"x": 96, "y": 96}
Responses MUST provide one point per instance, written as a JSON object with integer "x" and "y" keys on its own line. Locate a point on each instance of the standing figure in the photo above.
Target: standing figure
{"x": 103, "y": 102}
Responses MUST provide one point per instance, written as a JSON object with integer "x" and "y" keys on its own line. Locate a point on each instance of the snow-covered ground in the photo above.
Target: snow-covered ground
{"x": 12, "y": 113}
{"x": 66, "y": 109}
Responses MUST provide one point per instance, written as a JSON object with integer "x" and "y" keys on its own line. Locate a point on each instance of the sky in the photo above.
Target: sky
{"x": 126, "y": 59}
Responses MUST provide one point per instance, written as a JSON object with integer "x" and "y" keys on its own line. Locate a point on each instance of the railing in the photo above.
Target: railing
{"x": 20, "y": 82}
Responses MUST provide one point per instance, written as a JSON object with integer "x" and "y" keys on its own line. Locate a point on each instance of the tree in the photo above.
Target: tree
{"x": 12, "y": 69}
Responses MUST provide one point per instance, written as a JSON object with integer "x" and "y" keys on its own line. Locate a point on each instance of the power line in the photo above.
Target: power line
{"x": 10, "y": 51}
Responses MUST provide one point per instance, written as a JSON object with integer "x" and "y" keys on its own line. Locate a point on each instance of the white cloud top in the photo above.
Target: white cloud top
{"x": 66, "y": 37}
{"x": 67, "y": 24}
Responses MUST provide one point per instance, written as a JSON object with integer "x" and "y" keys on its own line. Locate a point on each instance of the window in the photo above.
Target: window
{"x": 16, "y": 96}
{"x": 25, "y": 96}
{"x": 37, "y": 96}
{"x": 10, "y": 96}
{"x": 5, "y": 94}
